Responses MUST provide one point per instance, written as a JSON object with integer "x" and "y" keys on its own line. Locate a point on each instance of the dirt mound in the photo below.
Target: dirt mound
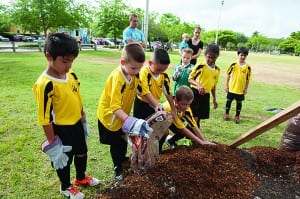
{"x": 214, "y": 172}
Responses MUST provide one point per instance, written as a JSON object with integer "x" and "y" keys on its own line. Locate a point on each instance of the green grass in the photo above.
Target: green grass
{"x": 25, "y": 170}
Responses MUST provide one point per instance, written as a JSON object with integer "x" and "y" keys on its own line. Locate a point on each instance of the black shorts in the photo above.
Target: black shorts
{"x": 200, "y": 105}
{"x": 237, "y": 97}
{"x": 109, "y": 137}
{"x": 142, "y": 109}
{"x": 72, "y": 135}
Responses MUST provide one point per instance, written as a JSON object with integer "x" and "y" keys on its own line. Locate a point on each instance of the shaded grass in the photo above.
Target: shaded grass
{"x": 26, "y": 171}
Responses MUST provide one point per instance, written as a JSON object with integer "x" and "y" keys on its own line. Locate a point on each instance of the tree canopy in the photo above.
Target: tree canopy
{"x": 110, "y": 17}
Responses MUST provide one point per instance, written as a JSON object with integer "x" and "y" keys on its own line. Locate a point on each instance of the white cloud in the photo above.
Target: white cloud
{"x": 270, "y": 18}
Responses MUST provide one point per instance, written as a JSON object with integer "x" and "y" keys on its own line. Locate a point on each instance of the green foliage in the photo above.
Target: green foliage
{"x": 40, "y": 15}
{"x": 112, "y": 18}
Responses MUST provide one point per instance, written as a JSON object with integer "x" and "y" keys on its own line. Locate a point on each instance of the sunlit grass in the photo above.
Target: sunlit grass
{"x": 25, "y": 170}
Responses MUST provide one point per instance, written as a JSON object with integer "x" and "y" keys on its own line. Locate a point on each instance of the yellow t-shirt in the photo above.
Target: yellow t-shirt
{"x": 208, "y": 77}
{"x": 59, "y": 101}
{"x": 156, "y": 85}
{"x": 118, "y": 93}
{"x": 184, "y": 119}
{"x": 239, "y": 75}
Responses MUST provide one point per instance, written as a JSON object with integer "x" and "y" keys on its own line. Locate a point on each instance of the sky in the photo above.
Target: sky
{"x": 271, "y": 18}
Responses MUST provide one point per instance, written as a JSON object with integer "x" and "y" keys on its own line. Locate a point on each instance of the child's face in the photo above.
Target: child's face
{"x": 157, "y": 69}
{"x": 132, "y": 67}
{"x": 186, "y": 38}
{"x": 242, "y": 57}
{"x": 186, "y": 58}
{"x": 211, "y": 58}
{"x": 183, "y": 105}
{"x": 61, "y": 65}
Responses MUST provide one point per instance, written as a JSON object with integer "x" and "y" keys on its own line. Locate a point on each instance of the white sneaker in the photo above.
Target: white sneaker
{"x": 72, "y": 192}
{"x": 87, "y": 181}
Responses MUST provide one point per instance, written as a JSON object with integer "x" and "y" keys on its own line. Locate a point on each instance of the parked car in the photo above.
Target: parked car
{"x": 109, "y": 41}
{"x": 28, "y": 38}
{"x": 39, "y": 39}
{"x": 3, "y": 38}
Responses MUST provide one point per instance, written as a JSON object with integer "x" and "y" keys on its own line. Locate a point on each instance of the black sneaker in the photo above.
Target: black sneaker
{"x": 118, "y": 173}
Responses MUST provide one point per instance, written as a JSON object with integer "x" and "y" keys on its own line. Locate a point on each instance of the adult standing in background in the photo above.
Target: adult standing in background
{"x": 132, "y": 33}
{"x": 195, "y": 44}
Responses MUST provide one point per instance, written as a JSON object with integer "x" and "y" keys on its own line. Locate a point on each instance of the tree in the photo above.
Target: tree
{"x": 112, "y": 18}
{"x": 4, "y": 18}
{"x": 42, "y": 15}
{"x": 291, "y": 44}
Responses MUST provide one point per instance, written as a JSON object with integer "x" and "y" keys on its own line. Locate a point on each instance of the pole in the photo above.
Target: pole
{"x": 146, "y": 21}
{"x": 216, "y": 40}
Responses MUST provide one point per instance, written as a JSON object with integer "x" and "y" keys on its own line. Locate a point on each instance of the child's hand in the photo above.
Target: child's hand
{"x": 206, "y": 142}
{"x": 215, "y": 104}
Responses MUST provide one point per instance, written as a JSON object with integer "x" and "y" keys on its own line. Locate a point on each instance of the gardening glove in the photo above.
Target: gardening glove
{"x": 137, "y": 127}
{"x": 56, "y": 152}
{"x": 85, "y": 125}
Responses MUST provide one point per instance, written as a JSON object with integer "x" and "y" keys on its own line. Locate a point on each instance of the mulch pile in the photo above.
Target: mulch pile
{"x": 213, "y": 172}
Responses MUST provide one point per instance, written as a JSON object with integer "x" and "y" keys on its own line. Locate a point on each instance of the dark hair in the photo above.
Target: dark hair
{"x": 160, "y": 56}
{"x": 132, "y": 16}
{"x": 212, "y": 48}
{"x": 60, "y": 44}
{"x": 133, "y": 51}
{"x": 243, "y": 50}
{"x": 184, "y": 93}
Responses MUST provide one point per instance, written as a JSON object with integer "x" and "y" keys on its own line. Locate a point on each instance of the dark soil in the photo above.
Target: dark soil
{"x": 214, "y": 172}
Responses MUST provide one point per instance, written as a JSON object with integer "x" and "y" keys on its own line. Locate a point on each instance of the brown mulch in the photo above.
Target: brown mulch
{"x": 214, "y": 172}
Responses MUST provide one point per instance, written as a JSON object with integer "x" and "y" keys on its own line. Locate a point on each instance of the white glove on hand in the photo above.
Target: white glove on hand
{"x": 56, "y": 152}
{"x": 85, "y": 125}
{"x": 137, "y": 127}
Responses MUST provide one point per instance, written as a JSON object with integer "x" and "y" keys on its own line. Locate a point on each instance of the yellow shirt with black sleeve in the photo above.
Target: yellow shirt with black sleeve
{"x": 156, "y": 85}
{"x": 184, "y": 119}
{"x": 59, "y": 101}
{"x": 239, "y": 75}
{"x": 208, "y": 77}
{"x": 118, "y": 93}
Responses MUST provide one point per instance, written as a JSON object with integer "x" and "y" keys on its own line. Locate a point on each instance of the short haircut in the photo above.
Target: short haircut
{"x": 61, "y": 44}
{"x": 197, "y": 27}
{"x": 243, "y": 50}
{"x": 185, "y": 35}
{"x": 212, "y": 48}
{"x": 187, "y": 50}
{"x": 132, "y": 16}
{"x": 133, "y": 51}
{"x": 184, "y": 93}
{"x": 160, "y": 56}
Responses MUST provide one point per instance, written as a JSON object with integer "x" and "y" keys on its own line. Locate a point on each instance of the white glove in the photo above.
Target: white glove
{"x": 137, "y": 127}
{"x": 56, "y": 152}
{"x": 85, "y": 125}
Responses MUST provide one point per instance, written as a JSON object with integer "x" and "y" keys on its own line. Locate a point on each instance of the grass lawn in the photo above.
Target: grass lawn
{"x": 26, "y": 171}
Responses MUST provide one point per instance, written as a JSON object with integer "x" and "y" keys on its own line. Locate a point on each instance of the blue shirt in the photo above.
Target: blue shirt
{"x": 134, "y": 34}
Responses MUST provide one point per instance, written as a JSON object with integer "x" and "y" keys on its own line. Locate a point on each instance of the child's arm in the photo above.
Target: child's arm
{"x": 213, "y": 93}
{"x": 152, "y": 101}
{"x": 200, "y": 88}
{"x": 173, "y": 108}
{"x": 49, "y": 132}
{"x": 246, "y": 87}
{"x": 227, "y": 83}
{"x": 197, "y": 138}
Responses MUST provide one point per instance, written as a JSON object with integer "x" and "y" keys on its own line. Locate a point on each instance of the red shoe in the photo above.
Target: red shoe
{"x": 237, "y": 119}
{"x": 226, "y": 117}
{"x": 87, "y": 181}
